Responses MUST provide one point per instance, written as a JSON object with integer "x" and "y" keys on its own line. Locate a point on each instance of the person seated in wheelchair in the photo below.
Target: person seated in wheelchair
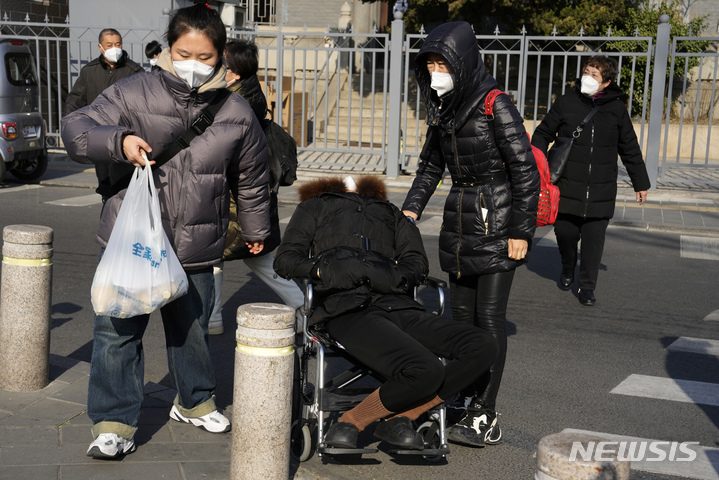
{"x": 364, "y": 258}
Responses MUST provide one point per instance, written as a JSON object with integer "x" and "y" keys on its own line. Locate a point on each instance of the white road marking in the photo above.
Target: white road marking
{"x": 548, "y": 239}
{"x": 712, "y": 317}
{"x": 687, "y": 391}
{"x": 702, "y": 248}
{"x": 83, "y": 201}
{"x": 705, "y": 466}
{"x": 19, "y": 188}
{"x": 285, "y": 221}
{"x": 429, "y": 227}
{"x": 695, "y": 345}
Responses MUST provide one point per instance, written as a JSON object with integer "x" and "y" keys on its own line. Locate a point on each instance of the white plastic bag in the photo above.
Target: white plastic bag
{"x": 139, "y": 272}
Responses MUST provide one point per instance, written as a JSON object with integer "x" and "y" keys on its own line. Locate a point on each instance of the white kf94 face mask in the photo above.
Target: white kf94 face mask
{"x": 112, "y": 54}
{"x": 589, "y": 85}
{"x": 193, "y": 72}
{"x": 442, "y": 83}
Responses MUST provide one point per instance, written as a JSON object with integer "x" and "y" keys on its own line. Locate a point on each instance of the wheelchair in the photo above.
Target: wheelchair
{"x": 311, "y": 401}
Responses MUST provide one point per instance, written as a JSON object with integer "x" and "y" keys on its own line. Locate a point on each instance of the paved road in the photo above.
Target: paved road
{"x": 642, "y": 363}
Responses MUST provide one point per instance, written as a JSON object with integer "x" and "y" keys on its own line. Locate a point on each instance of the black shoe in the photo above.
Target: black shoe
{"x": 566, "y": 280}
{"x": 399, "y": 432}
{"x": 478, "y": 427}
{"x": 587, "y": 298}
{"x": 342, "y": 435}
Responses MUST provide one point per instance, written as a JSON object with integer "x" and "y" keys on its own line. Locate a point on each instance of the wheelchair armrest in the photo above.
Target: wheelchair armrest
{"x": 435, "y": 282}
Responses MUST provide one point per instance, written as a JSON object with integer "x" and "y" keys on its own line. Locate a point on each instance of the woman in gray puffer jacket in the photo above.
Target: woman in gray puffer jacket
{"x": 491, "y": 211}
{"x": 145, "y": 113}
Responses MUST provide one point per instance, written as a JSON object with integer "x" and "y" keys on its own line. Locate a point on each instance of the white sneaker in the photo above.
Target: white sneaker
{"x": 215, "y": 327}
{"x": 213, "y": 422}
{"x": 109, "y": 445}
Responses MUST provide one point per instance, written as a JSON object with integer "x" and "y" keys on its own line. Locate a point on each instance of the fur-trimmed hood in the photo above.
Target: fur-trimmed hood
{"x": 367, "y": 186}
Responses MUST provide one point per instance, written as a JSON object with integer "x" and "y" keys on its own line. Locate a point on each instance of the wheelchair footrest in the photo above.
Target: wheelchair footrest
{"x": 345, "y": 451}
{"x": 427, "y": 452}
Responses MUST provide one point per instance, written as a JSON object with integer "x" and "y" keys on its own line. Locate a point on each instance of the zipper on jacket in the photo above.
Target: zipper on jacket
{"x": 483, "y": 205}
{"x": 461, "y": 196}
{"x": 589, "y": 174}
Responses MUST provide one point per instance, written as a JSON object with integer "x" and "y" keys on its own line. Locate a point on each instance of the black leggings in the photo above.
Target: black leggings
{"x": 481, "y": 300}
{"x": 404, "y": 345}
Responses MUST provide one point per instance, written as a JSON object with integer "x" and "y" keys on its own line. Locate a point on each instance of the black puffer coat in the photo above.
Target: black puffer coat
{"x": 366, "y": 250}
{"x": 495, "y": 162}
{"x": 588, "y": 186}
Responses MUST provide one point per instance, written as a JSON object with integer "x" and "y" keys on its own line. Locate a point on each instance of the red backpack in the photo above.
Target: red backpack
{"x": 548, "y": 192}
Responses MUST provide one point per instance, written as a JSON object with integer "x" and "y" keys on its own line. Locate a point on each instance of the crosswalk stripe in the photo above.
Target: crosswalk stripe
{"x": 702, "y": 248}
{"x": 429, "y": 227}
{"x": 703, "y": 467}
{"x": 82, "y": 201}
{"x": 687, "y": 391}
{"x": 695, "y": 345}
{"x": 13, "y": 189}
{"x": 548, "y": 238}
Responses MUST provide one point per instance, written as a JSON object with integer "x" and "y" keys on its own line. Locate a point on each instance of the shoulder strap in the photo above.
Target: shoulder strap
{"x": 489, "y": 103}
{"x": 580, "y": 127}
{"x": 198, "y": 127}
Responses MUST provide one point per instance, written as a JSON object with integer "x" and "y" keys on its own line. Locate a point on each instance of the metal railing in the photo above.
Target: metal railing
{"x": 351, "y": 100}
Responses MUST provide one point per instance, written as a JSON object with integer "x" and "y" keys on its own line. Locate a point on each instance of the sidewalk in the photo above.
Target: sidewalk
{"x": 45, "y": 434}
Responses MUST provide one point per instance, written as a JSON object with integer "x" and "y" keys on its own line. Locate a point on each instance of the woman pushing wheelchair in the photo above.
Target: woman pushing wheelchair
{"x": 365, "y": 257}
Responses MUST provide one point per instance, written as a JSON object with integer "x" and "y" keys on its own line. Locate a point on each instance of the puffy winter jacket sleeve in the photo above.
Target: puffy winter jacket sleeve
{"x": 248, "y": 177}
{"x": 631, "y": 154}
{"x": 516, "y": 151}
{"x": 429, "y": 174}
{"x": 546, "y": 132}
{"x": 96, "y": 132}
{"x": 411, "y": 257}
{"x": 292, "y": 258}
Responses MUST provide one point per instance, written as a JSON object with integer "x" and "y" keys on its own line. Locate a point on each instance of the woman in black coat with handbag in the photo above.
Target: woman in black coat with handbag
{"x": 491, "y": 211}
{"x": 588, "y": 184}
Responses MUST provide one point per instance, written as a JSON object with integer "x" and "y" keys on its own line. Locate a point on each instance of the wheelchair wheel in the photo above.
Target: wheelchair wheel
{"x": 300, "y": 441}
{"x": 430, "y": 433}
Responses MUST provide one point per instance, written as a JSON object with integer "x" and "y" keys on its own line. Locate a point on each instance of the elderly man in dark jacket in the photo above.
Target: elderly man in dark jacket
{"x": 588, "y": 185}
{"x": 365, "y": 258}
{"x": 491, "y": 211}
{"x": 112, "y": 65}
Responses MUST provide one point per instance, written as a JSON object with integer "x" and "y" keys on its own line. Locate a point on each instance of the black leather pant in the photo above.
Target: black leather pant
{"x": 482, "y": 301}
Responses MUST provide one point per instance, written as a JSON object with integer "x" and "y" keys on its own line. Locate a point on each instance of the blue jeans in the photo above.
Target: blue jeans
{"x": 115, "y": 392}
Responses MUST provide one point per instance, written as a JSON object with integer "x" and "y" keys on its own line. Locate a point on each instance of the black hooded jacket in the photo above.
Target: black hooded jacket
{"x": 95, "y": 77}
{"x": 588, "y": 185}
{"x": 492, "y": 165}
{"x": 360, "y": 249}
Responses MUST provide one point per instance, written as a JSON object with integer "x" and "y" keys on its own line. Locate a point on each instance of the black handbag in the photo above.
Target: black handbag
{"x": 558, "y": 155}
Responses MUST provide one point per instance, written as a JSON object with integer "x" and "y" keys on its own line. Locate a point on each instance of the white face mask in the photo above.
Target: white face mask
{"x": 112, "y": 54}
{"x": 589, "y": 85}
{"x": 442, "y": 83}
{"x": 153, "y": 62}
{"x": 193, "y": 72}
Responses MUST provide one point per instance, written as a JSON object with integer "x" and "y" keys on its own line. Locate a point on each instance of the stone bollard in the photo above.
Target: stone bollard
{"x": 557, "y": 461}
{"x": 262, "y": 403}
{"x": 25, "y": 307}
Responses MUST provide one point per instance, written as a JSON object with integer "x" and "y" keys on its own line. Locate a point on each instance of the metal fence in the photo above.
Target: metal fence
{"x": 353, "y": 105}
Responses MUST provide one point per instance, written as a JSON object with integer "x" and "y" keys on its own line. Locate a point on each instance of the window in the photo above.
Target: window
{"x": 20, "y": 69}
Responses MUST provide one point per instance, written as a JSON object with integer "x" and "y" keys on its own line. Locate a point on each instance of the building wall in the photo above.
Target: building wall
{"x": 16, "y": 10}
{"x": 709, "y": 8}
